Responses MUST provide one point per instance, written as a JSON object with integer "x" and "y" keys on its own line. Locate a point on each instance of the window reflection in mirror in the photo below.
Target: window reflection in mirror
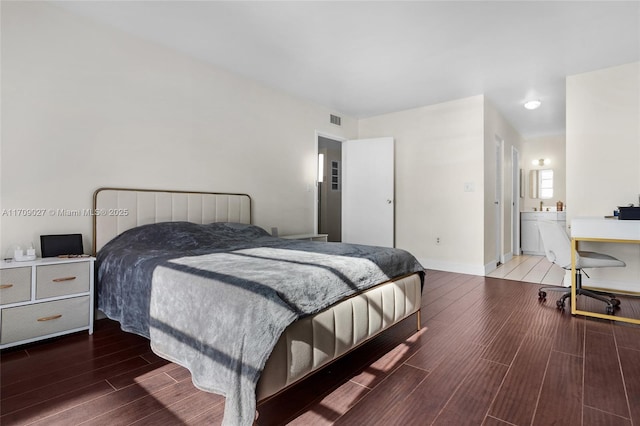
{"x": 541, "y": 183}
{"x": 546, "y": 183}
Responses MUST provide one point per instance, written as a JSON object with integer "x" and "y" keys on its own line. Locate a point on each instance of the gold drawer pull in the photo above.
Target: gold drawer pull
{"x": 3, "y": 286}
{"x": 59, "y": 280}
{"x": 52, "y": 317}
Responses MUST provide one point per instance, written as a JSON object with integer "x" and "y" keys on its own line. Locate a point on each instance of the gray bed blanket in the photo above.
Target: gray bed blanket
{"x": 215, "y": 298}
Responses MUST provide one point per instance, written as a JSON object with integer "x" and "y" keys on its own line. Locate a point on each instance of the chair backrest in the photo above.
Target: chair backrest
{"x": 557, "y": 246}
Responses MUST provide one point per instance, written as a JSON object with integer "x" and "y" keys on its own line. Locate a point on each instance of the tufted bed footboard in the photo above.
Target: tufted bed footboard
{"x": 313, "y": 342}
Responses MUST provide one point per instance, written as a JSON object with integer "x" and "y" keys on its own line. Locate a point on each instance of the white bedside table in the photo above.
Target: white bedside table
{"x": 308, "y": 237}
{"x": 45, "y": 298}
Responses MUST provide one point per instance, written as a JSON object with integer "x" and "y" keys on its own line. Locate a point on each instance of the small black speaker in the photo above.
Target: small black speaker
{"x": 629, "y": 213}
{"x": 63, "y": 244}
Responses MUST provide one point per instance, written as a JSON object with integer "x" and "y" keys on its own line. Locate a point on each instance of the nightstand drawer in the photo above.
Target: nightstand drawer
{"x": 15, "y": 285}
{"x": 63, "y": 279}
{"x": 41, "y": 319}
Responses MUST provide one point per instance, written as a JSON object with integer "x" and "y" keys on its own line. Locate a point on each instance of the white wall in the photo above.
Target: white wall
{"x": 438, "y": 149}
{"x": 603, "y": 157}
{"x": 86, "y": 106}
{"x": 554, "y": 148}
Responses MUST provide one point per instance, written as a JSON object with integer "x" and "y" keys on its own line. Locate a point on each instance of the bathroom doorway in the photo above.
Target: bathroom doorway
{"x": 330, "y": 189}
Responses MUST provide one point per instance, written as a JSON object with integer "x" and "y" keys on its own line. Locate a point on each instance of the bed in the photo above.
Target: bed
{"x": 247, "y": 313}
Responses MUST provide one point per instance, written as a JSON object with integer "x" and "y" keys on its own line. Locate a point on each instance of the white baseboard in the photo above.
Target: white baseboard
{"x": 491, "y": 266}
{"x": 507, "y": 257}
{"x": 460, "y": 268}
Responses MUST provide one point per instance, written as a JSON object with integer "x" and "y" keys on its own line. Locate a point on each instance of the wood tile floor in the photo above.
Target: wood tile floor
{"x": 531, "y": 269}
{"x": 489, "y": 354}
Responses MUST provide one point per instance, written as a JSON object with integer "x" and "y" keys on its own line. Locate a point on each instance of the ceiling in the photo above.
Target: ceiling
{"x": 368, "y": 58}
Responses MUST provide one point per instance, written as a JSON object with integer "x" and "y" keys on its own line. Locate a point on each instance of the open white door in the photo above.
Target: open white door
{"x": 368, "y": 192}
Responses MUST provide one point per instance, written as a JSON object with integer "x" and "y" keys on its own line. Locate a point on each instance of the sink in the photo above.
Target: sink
{"x": 550, "y": 215}
{"x": 544, "y": 209}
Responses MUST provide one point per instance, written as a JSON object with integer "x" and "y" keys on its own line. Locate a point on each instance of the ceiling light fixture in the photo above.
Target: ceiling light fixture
{"x": 541, "y": 162}
{"x": 533, "y": 104}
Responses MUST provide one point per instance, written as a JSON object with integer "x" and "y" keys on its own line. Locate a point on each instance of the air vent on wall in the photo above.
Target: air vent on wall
{"x": 335, "y": 119}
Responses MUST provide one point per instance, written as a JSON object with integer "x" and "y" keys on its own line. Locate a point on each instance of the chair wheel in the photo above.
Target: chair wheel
{"x": 615, "y": 302}
{"x": 609, "y": 310}
{"x": 560, "y": 304}
{"x": 542, "y": 295}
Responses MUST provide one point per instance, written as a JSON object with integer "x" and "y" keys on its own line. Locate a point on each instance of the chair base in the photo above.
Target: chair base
{"x": 608, "y": 298}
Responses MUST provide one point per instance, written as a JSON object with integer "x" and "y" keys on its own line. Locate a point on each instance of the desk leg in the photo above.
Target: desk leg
{"x": 574, "y": 248}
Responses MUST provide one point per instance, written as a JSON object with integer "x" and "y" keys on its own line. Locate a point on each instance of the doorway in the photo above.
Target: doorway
{"x": 355, "y": 190}
{"x": 330, "y": 188}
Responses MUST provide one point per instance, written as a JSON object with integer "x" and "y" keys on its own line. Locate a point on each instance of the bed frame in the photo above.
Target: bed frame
{"x": 306, "y": 345}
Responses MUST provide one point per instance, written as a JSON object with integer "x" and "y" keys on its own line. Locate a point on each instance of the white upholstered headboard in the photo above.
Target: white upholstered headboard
{"x": 119, "y": 209}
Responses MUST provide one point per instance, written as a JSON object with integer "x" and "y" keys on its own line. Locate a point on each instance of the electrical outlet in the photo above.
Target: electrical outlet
{"x": 437, "y": 241}
{"x": 469, "y": 187}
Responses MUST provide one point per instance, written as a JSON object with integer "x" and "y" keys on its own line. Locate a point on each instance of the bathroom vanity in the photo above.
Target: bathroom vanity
{"x": 530, "y": 240}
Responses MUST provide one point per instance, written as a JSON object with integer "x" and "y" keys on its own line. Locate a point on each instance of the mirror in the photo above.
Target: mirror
{"x": 541, "y": 184}
{"x": 533, "y": 184}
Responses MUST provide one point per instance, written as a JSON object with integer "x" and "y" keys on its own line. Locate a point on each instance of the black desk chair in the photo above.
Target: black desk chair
{"x": 557, "y": 247}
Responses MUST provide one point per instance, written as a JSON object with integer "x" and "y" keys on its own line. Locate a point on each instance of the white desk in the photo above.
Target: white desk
{"x": 600, "y": 230}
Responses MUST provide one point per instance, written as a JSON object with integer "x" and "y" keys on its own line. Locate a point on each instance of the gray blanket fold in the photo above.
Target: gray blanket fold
{"x": 216, "y": 298}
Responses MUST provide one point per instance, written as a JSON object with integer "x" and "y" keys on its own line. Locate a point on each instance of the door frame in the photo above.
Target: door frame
{"x": 516, "y": 186}
{"x": 318, "y": 134}
{"x": 499, "y": 199}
